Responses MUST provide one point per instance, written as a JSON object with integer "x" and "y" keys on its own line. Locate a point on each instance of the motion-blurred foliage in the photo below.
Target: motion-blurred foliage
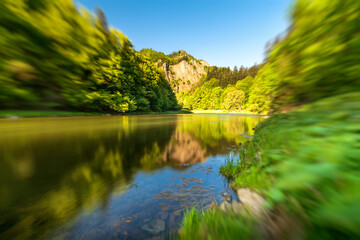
{"x": 306, "y": 162}
{"x": 319, "y": 57}
{"x": 56, "y": 56}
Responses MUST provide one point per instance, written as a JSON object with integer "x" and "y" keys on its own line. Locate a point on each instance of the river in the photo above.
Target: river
{"x": 112, "y": 177}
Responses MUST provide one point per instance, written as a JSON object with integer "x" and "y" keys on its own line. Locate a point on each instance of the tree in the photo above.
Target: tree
{"x": 234, "y": 100}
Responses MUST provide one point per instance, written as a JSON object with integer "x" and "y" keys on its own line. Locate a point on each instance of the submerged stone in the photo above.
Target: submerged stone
{"x": 164, "y": 215}
{"x": 164, "y": 207}
{"x": 155, "y": 227}
{"x": 227, "y": 197}
{"x": 178, "y": 212}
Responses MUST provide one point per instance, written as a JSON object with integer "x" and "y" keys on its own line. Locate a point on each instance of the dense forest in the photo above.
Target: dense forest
{"x": 211, "y": 96}
{"x": 226, "y": 76}
{"x": 81, "y": 64}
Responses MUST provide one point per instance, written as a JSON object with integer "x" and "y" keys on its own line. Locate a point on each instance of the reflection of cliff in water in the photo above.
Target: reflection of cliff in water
{"x": 183, "y": 148}
{"x": 218, "y": 134}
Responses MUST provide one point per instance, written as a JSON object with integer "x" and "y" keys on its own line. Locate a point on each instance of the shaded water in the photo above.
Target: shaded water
{"x": 123, "y": 177}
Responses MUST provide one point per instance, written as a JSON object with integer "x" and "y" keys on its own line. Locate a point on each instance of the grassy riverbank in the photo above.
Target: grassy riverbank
{"x": 305, "y": 163}
{"x": 38, "y": 113}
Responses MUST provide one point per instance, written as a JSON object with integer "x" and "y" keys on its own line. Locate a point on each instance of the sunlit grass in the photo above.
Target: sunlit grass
{"x": 215, "y": 224}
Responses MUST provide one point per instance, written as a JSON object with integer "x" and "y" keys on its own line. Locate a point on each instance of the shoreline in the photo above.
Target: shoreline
{"x": 15, "y": 114}
{"x": 225, "y": 112}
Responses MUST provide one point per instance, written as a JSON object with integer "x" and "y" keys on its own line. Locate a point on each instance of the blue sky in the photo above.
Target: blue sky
{"x": 221, "y": 32}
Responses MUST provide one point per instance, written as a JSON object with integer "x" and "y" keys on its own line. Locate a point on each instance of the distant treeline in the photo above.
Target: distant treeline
{"x": 227, "y": 76}
{"x": 53, "y": 55}
{"x": 211, "y": 96}
{"x": 224, "y": 89}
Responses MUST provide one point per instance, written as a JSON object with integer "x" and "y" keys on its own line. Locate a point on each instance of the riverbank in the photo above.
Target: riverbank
{"x": 305, "y": 164}
{"x": 38, "y": 113}
{"x": 227, "y": 112}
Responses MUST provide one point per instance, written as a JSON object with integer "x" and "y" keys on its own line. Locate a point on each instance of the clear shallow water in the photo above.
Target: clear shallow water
{"x": 123, "y": 177}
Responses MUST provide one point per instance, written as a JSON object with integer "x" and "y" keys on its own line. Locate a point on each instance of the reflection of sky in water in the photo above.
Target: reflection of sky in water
{"x": 247, "y": 136}
{"x": 111, "y": 177}
{"x": 158, "y": 199}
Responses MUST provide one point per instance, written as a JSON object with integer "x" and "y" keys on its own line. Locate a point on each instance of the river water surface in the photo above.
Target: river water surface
{"x": 113, "y": 177}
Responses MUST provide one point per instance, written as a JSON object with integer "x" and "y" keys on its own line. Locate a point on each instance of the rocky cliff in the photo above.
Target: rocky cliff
{"x": 181, "y": 69}
{"x": 184, "y": 75}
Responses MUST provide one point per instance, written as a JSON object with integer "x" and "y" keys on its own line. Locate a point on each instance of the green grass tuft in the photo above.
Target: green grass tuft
{"x": 215, "y": 224}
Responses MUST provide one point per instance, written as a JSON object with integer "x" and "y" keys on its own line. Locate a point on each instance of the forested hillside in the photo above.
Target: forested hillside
{"x": 199, "y": 86}
{"x": 55, "y": 56}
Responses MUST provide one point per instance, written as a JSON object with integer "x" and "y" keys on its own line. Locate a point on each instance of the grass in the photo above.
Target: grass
{"x": 42, "y": 113}
{"x": 215, "y": 224}
{"x": 306, "y": 163}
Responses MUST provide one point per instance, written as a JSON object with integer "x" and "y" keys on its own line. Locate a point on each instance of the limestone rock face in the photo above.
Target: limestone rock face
{"x": 185, "y": 74}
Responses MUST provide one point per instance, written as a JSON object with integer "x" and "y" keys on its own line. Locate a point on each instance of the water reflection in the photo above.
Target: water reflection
{"x": 184, "y": 148}
{"x": 53, "y": 170}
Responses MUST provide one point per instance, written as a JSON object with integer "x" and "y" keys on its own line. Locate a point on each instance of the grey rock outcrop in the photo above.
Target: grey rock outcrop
{"x": 183, "y": 75}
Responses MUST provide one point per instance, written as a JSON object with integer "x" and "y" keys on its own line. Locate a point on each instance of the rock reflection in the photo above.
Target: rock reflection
{"x": 184, "y": 148}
